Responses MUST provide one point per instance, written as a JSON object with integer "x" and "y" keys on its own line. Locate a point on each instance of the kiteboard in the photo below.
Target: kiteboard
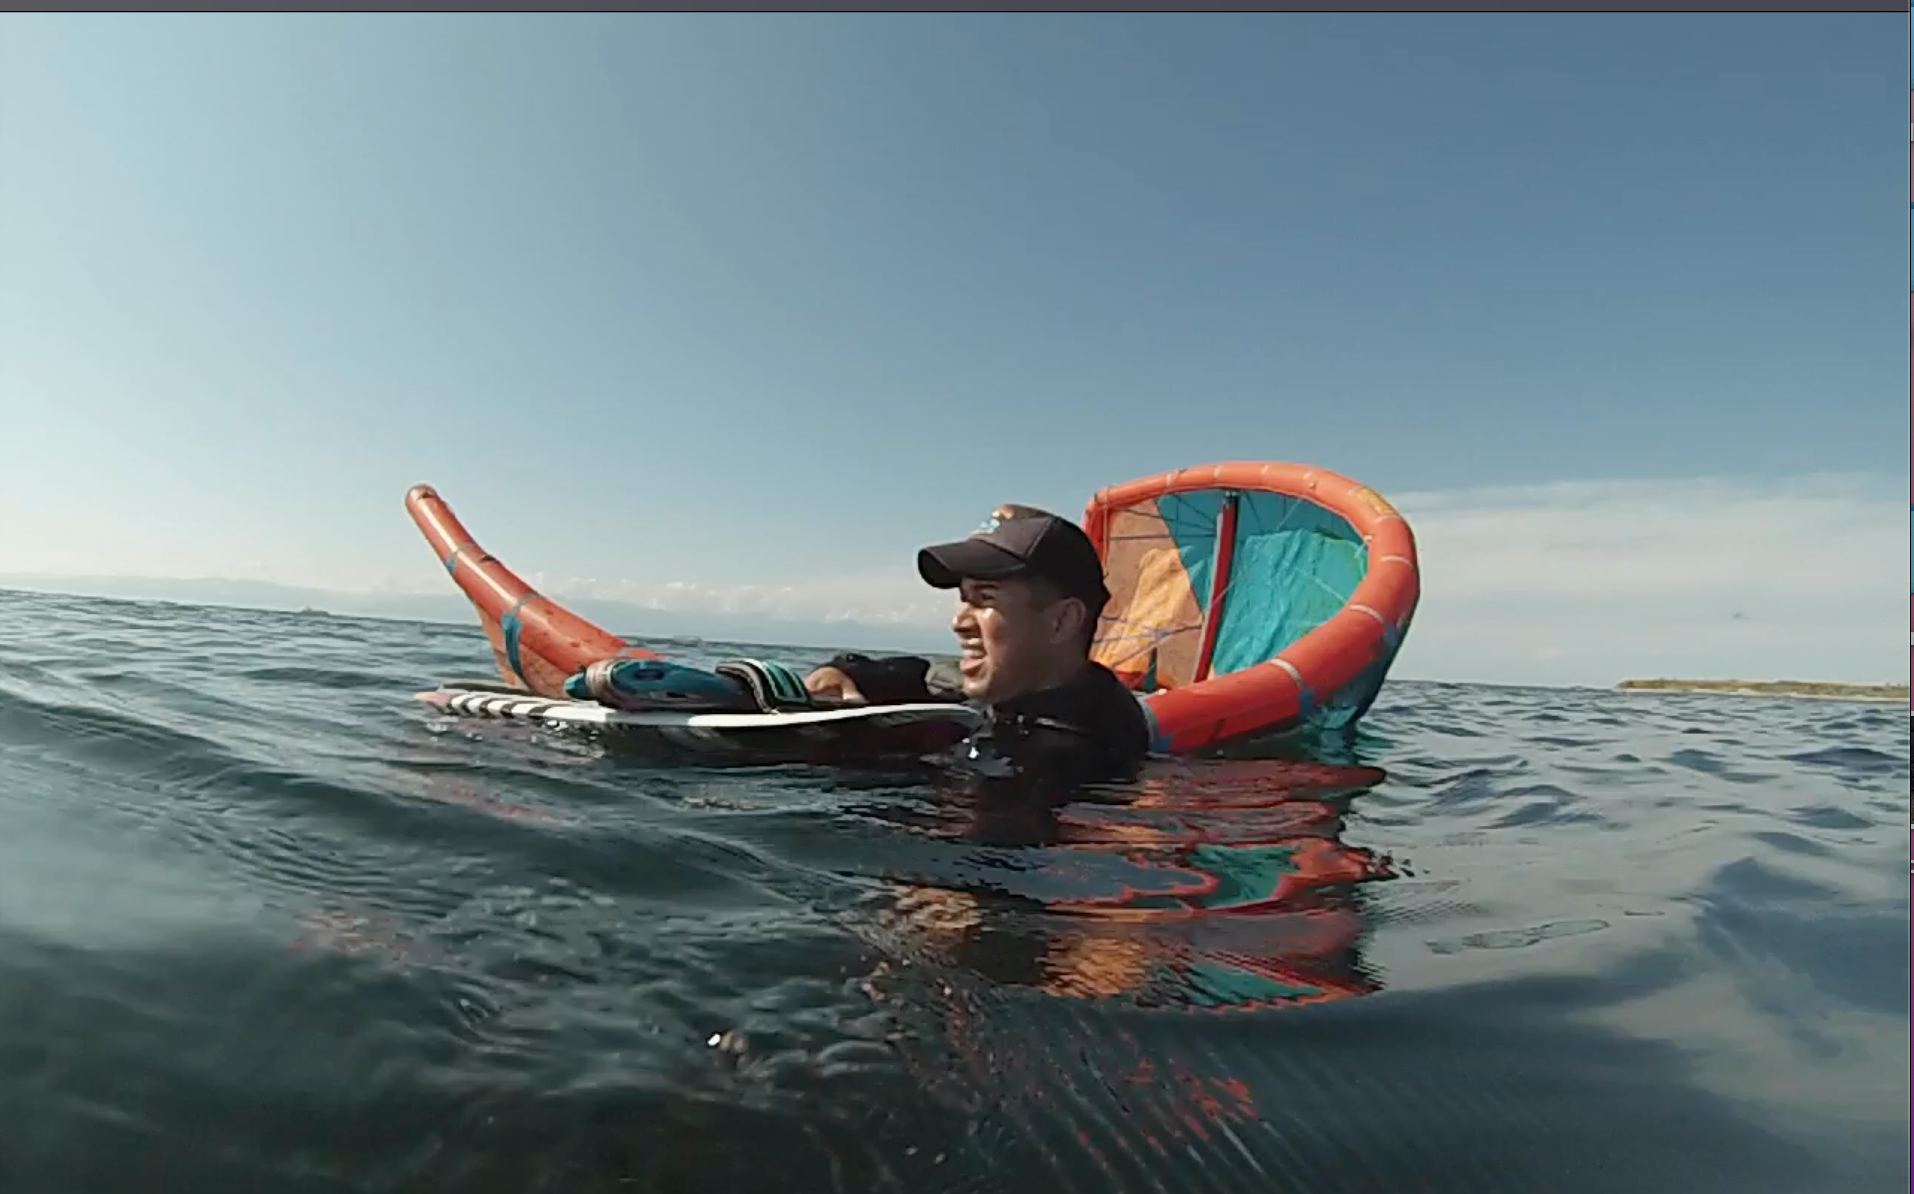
{"x": 840, "y": 733}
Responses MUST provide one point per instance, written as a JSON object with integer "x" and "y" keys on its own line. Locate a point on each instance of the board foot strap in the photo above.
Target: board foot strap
{"x": 774, "y": 687}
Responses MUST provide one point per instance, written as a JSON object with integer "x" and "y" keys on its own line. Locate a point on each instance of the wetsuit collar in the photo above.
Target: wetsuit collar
{"x": 1038, "y": 698}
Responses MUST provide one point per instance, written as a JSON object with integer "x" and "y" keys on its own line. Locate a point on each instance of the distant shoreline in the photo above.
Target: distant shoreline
{"x": 1813, "y": 689}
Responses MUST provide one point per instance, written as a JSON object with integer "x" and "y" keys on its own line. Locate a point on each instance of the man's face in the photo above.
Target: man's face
{"x": 1015, "y": 637}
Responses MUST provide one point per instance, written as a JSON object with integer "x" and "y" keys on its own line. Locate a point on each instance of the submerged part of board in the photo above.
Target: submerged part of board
{"x": 847, "y": 732}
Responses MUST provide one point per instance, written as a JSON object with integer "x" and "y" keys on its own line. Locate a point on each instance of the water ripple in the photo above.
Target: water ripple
{"x": 267, "y": 924}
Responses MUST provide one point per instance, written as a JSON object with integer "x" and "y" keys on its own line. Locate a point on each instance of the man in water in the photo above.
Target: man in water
{"x": 1029, "y": 592}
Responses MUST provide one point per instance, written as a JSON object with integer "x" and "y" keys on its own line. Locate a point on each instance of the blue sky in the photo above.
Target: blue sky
{"x": 751, "y": 306}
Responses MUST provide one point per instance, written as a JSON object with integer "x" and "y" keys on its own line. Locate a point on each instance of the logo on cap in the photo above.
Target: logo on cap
{"x": 1005, "y": 513}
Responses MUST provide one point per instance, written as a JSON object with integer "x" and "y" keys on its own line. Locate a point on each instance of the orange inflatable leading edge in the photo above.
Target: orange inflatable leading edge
{"x": 536, "y": 642}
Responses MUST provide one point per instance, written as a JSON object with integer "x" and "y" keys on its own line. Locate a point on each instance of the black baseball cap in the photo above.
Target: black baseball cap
{"x": 1020, "y": 541}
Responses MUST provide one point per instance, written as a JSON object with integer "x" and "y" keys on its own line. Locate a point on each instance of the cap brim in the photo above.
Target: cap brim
{"x": 951, "y": 564}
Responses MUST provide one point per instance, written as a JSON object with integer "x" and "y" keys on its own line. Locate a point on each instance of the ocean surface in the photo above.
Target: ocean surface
{"x": 267, "y": 924}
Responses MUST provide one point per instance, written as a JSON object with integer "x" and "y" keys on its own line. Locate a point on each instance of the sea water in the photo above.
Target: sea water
{"x": 266, "y": 924}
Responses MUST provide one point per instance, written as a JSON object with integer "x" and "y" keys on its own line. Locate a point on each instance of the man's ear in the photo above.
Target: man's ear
{"x": 1067, "y": 619}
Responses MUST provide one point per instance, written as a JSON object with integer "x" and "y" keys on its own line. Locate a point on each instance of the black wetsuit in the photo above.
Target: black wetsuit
{"x": 1090, "y": 730}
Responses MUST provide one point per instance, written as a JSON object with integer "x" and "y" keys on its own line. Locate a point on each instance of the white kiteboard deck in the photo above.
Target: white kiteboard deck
{"x": 848, "y": 731}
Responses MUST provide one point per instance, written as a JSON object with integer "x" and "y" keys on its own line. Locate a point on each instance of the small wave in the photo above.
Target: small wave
{"x": 330, "y": 679}
{"x": 337, "y": 946}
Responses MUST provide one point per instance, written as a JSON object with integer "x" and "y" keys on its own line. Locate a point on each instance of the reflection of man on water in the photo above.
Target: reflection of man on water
{"x": 1214, "y": 886}
{"x": 1206, "y": 885}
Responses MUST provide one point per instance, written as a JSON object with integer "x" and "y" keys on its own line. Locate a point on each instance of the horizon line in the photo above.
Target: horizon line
{"x": 1638, "y": 685}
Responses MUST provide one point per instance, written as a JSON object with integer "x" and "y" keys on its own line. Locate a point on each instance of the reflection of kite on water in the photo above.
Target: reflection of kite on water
{"x": 1222, "y": 886}
{"x": 1218, "y": 888}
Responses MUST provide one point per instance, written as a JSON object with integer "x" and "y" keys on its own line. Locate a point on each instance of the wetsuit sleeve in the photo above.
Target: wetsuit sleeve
{"x": 900, "y": 679}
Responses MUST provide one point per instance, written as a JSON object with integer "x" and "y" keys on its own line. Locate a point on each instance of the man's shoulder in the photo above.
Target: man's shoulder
{"x": 1122, "y": 722}
{"x": 1109, "y": 686}
{"x": 1107, "y": 678}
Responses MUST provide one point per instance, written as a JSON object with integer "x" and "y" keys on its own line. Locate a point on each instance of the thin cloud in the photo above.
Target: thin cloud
{"x": 1593, "y": 583}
